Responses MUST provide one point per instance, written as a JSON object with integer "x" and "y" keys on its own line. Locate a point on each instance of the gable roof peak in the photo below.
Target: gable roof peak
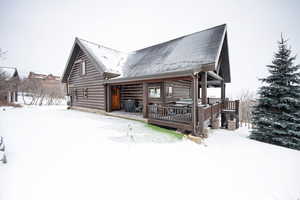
{"x": 96, "y": 44}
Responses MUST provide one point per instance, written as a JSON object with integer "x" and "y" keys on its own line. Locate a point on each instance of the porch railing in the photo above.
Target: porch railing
{"x": 184, "y": 114}
{"x": 209, "y": 112}
{"x": 170, "y": 113}
{"x": 230, "y": 105}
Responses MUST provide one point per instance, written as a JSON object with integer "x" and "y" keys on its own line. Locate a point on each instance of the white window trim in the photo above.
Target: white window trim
{"x": 169, "y": 91}
{"x": 158, "y": 95}
{"x": 83, "y": 68}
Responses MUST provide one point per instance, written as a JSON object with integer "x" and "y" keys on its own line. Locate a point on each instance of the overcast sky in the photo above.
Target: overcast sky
{"x": 38, "y": 35}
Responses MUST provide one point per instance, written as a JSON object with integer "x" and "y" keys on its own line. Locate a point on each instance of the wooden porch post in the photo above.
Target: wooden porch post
{"x": 108, "y": 97}
{"x": 105, "y": 97}
{"x": 195, "y": 88}
{"x": 145, "y": 100}
{"x": 237, "y": 109}
{"x": 163, "y": 92}
{"x": 223, "y": 95}
{"x": 223, "y": 88}
{"x": 204, "y": 87}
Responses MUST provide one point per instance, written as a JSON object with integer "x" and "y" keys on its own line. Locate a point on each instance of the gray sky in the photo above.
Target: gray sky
{"x": 38, "y": 35}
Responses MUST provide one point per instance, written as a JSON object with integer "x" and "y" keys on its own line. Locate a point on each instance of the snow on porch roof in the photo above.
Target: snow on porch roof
{"x": 187, "y": 53}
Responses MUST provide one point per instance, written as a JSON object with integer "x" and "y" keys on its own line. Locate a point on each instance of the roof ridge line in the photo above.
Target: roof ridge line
{"x": 99, "y": 45}
{"x": 180, "y": 37}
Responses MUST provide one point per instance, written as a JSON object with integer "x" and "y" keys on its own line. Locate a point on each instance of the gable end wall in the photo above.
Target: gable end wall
{"x": 92, "y": 80}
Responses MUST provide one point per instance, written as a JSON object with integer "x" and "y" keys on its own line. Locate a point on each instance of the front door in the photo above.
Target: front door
{"x": 116, "y": 103}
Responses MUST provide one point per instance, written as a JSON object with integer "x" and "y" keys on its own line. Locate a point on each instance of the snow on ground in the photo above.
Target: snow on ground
{"x": 55, "y": 153}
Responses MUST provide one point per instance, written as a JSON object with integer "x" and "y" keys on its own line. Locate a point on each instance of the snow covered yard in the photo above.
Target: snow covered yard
{"x": 54, "y": 153}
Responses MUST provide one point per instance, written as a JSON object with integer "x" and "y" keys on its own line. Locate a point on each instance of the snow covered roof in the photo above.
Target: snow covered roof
{"x": 185, "y": 53}
{"x": 110, "y": 59}
{"x": 188, "y": 53}
{"x": 10, "y": 72}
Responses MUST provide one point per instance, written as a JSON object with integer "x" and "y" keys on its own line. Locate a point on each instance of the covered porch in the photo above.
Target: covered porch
{"x": 178, "y": 102}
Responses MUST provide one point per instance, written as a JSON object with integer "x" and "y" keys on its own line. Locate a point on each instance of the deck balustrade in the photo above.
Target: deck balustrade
{"x": 183, "y": 113}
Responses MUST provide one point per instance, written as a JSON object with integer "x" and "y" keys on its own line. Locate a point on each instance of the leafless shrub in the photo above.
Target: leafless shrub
{"x": 40, "y": 93}
{"x": 247, "y": 100}
{"x": 3, "y": 83}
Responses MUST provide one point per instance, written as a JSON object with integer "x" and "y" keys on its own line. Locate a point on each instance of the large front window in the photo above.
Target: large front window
{"x": 154, "y": 92}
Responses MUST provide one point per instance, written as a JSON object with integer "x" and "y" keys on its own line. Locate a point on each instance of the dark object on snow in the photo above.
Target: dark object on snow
{"x": 3, "y": 148}
{"x": 276, "y": 117}
{"x": 4, "y": 159}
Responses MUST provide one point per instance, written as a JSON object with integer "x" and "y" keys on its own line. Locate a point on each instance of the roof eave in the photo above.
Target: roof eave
{"x": 174, "y": 74}
{"x": 220, "y": 47}
{"x": 151, "y": 76}
{"x": 64, "y": 78}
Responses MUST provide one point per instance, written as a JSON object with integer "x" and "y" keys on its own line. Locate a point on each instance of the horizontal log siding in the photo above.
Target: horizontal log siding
{"x": 132, "y": 92}
{"x": 181, "y": 89}
{"x": 92, "y": 80}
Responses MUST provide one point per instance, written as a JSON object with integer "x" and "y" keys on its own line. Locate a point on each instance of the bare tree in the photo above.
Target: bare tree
{"x": 35, "y": 92}
{"x": 2, "y": 53}
{"x": 247, "y": 100}
{"x": 3, "y": 84}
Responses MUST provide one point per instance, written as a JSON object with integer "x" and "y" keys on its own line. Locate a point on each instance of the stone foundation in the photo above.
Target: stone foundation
{"x": 232, "y": 124}
{"x": 215, "y": 124}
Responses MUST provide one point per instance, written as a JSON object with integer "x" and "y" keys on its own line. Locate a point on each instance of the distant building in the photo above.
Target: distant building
{"x": 10, "y": 79}
{"x": 46, "y": 80}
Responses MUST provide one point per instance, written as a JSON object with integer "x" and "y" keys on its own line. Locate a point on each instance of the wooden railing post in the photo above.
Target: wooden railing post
{"x": 237, "y": 116}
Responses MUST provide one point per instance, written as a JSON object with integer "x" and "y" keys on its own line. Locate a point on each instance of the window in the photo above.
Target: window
{"x": 85, "y": 93}
{"x": 154, "y": 92}
{"x": 76, "y": 94}
{"x": 83, "y": 68}
{"x": 169, "y": 91}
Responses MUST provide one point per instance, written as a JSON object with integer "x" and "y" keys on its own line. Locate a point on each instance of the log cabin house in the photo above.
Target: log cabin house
{"x": 9, "y": 92}
{"x": 166, "y": 83}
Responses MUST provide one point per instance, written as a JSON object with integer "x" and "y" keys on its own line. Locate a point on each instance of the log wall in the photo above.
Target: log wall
{"x": 134, "y": 91}
{"x": 92, "y": 81}
{"x": 181, "y": 89}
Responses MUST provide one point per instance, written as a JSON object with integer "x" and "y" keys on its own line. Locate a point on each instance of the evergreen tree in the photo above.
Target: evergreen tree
{"x": 276, "y": 117}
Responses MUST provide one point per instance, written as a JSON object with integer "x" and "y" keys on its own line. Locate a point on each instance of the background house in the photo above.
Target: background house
{"x": 9, "y": 83}
{"x": 41, "y": 89}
